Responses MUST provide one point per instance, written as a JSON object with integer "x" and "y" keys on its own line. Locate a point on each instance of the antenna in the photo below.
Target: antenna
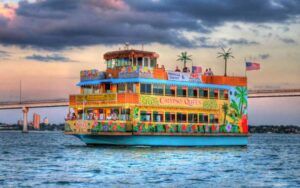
{"x": 142, "y": 47}
{"x": 20, "y": 91}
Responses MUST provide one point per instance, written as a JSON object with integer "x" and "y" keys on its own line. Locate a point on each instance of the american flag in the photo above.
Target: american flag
{"x": 252, "y": 66}
{"x": 196, "y": 69}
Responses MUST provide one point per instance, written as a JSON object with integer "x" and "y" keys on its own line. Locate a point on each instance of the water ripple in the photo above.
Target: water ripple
{"x": 57, "y": 160}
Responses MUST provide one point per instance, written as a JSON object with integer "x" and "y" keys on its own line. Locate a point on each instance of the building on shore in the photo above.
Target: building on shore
{"x": 46, "y": 121}
{"x": 36, "y": 121}
{"x": 20, "y": 122}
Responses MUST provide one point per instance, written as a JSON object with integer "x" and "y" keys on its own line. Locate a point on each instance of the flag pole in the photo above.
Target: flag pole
{"x": 245, "y": 67}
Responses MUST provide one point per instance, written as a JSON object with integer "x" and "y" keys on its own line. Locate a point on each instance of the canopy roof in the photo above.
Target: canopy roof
{"x": 152, "y": 81}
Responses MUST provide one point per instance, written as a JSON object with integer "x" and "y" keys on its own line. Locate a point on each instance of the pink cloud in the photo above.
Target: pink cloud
{"x": 110, "y": 4}
{"x": 8, "y": 10}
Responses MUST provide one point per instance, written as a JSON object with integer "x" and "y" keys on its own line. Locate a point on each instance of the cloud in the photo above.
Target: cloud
{"x": 51, "y": 24}
{"x": 240, "y": 41}
{"x": 288, "y": 40}
{"x": 264, "y": 56}
{"x": 4, "y": 54}
{"x": 49, "y": 58}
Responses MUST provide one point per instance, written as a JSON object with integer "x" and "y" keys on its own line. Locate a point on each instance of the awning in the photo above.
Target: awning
{"x": 153, "y": 81}
{"x": 93, "y": 82}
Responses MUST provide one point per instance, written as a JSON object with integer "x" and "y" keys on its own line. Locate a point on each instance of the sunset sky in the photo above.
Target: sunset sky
{"x": 45, "y": 43}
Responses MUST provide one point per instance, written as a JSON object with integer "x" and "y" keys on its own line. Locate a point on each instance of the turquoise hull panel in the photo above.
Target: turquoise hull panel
{"x": 165, "y": 140}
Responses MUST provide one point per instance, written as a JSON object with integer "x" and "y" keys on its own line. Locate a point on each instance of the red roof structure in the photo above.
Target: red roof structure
{"x": 129, "y": 54}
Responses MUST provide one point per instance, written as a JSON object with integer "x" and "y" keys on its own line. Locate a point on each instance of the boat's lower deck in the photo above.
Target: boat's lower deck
{"x": 165, "y": 140}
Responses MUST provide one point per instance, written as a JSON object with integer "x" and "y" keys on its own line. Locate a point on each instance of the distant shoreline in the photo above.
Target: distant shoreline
{"x": 280, "y": 129}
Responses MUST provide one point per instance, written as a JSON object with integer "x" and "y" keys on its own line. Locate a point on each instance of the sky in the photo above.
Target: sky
{"x": 45, "y": 43}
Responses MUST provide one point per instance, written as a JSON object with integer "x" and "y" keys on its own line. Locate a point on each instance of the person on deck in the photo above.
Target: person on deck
{"x": 185, "y": 69}
{"x": 206, "y": 72}
{"x": 177, "y": 69}
{"x": 210, "y": 72}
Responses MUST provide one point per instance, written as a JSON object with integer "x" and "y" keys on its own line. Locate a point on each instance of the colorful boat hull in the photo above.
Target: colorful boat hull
{"x": 177, "y": 141}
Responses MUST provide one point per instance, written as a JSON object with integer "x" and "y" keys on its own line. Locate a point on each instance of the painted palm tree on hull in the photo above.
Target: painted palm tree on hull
{"x": 241, "y": 95}
{"x": 183, "y": 57}
{"x": 225, "y": 54}
{"x": 239, "y": 105}
{"x": 225, "y": 109}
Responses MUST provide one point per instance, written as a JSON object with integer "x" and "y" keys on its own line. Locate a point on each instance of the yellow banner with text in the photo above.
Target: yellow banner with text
{"x": 148, "y": 100}
{"x": 87, "y": 99}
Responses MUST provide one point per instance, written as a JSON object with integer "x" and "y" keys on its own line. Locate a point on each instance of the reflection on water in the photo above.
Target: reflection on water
{"x": 54, "y": 159}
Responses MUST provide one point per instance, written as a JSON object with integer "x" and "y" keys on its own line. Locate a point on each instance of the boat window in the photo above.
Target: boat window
{"x": 101, "y": 114}
{"x": 213, "y": 118}
{"x": 203, "y": 118}
{"x": 131, "y": 88}
{"x": 126, "y": 62}
{"x": 181, "y": 117}
{"x": 145, "y": 116}
{"x": 223, "y": 94}
{"x": 114, "y": 114}
{"x": 125, "y": 114}
{"x": 146, "y": 88}
{"x": 117, "y": 63}
{"x": 107, "y": 88}
{"x": 109, "y": 64}
{"x": 203, "y": 92}
{"x": 87, "y": 90}
{"x": 213, "y": 93}
{"x": 216, "y": 91}
{"x": 181, "y": 91}
{"x": 121, "y": 88}
{"x": 146, "y": 62}
{"x": 193, "y": 92}
{"x": 169, "y": 90}
{"x": 193, "y": 118}
{"x": 158, "y": 116}
{"x": 158, "y": 89}
{"x": 153, "y": 63}
{"x": 170, "y": 117}
{"x": 140, "y": 61}
{"x": 96, "y": 89}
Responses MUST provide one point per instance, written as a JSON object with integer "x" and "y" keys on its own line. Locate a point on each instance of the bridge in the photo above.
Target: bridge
{"x": 25, "y": 105}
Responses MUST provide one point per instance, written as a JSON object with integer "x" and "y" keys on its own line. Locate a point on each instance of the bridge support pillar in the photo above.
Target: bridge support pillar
{"x": 25, "y": 119}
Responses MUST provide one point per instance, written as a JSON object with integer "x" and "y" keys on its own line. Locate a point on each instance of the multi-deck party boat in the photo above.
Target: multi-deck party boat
{"x": 137, "y": 102}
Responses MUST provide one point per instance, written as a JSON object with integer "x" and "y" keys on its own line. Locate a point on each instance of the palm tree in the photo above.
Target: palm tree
{"x": 225, "y": 109}
{"x": 184, "y": 57}
{"x": 225, "y": 54}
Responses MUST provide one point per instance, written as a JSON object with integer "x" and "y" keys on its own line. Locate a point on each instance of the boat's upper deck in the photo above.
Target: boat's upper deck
{"x": 124, "y": 65}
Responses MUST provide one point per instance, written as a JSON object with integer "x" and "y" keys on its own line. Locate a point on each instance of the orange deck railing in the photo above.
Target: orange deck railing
{"x": 225, "y": 80}
{"x": 120, "y": 98}
{"x": 160, "y": 73}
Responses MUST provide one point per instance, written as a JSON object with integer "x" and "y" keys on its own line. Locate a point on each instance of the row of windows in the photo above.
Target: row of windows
{"x": 103, "y": 114}
{"x": 178, "y": 117}
{"x": 126, "y": 62}
{"x": 183, "y": 91}
{"x": 167, "y": 90}
{"x": 130, "y": 88}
